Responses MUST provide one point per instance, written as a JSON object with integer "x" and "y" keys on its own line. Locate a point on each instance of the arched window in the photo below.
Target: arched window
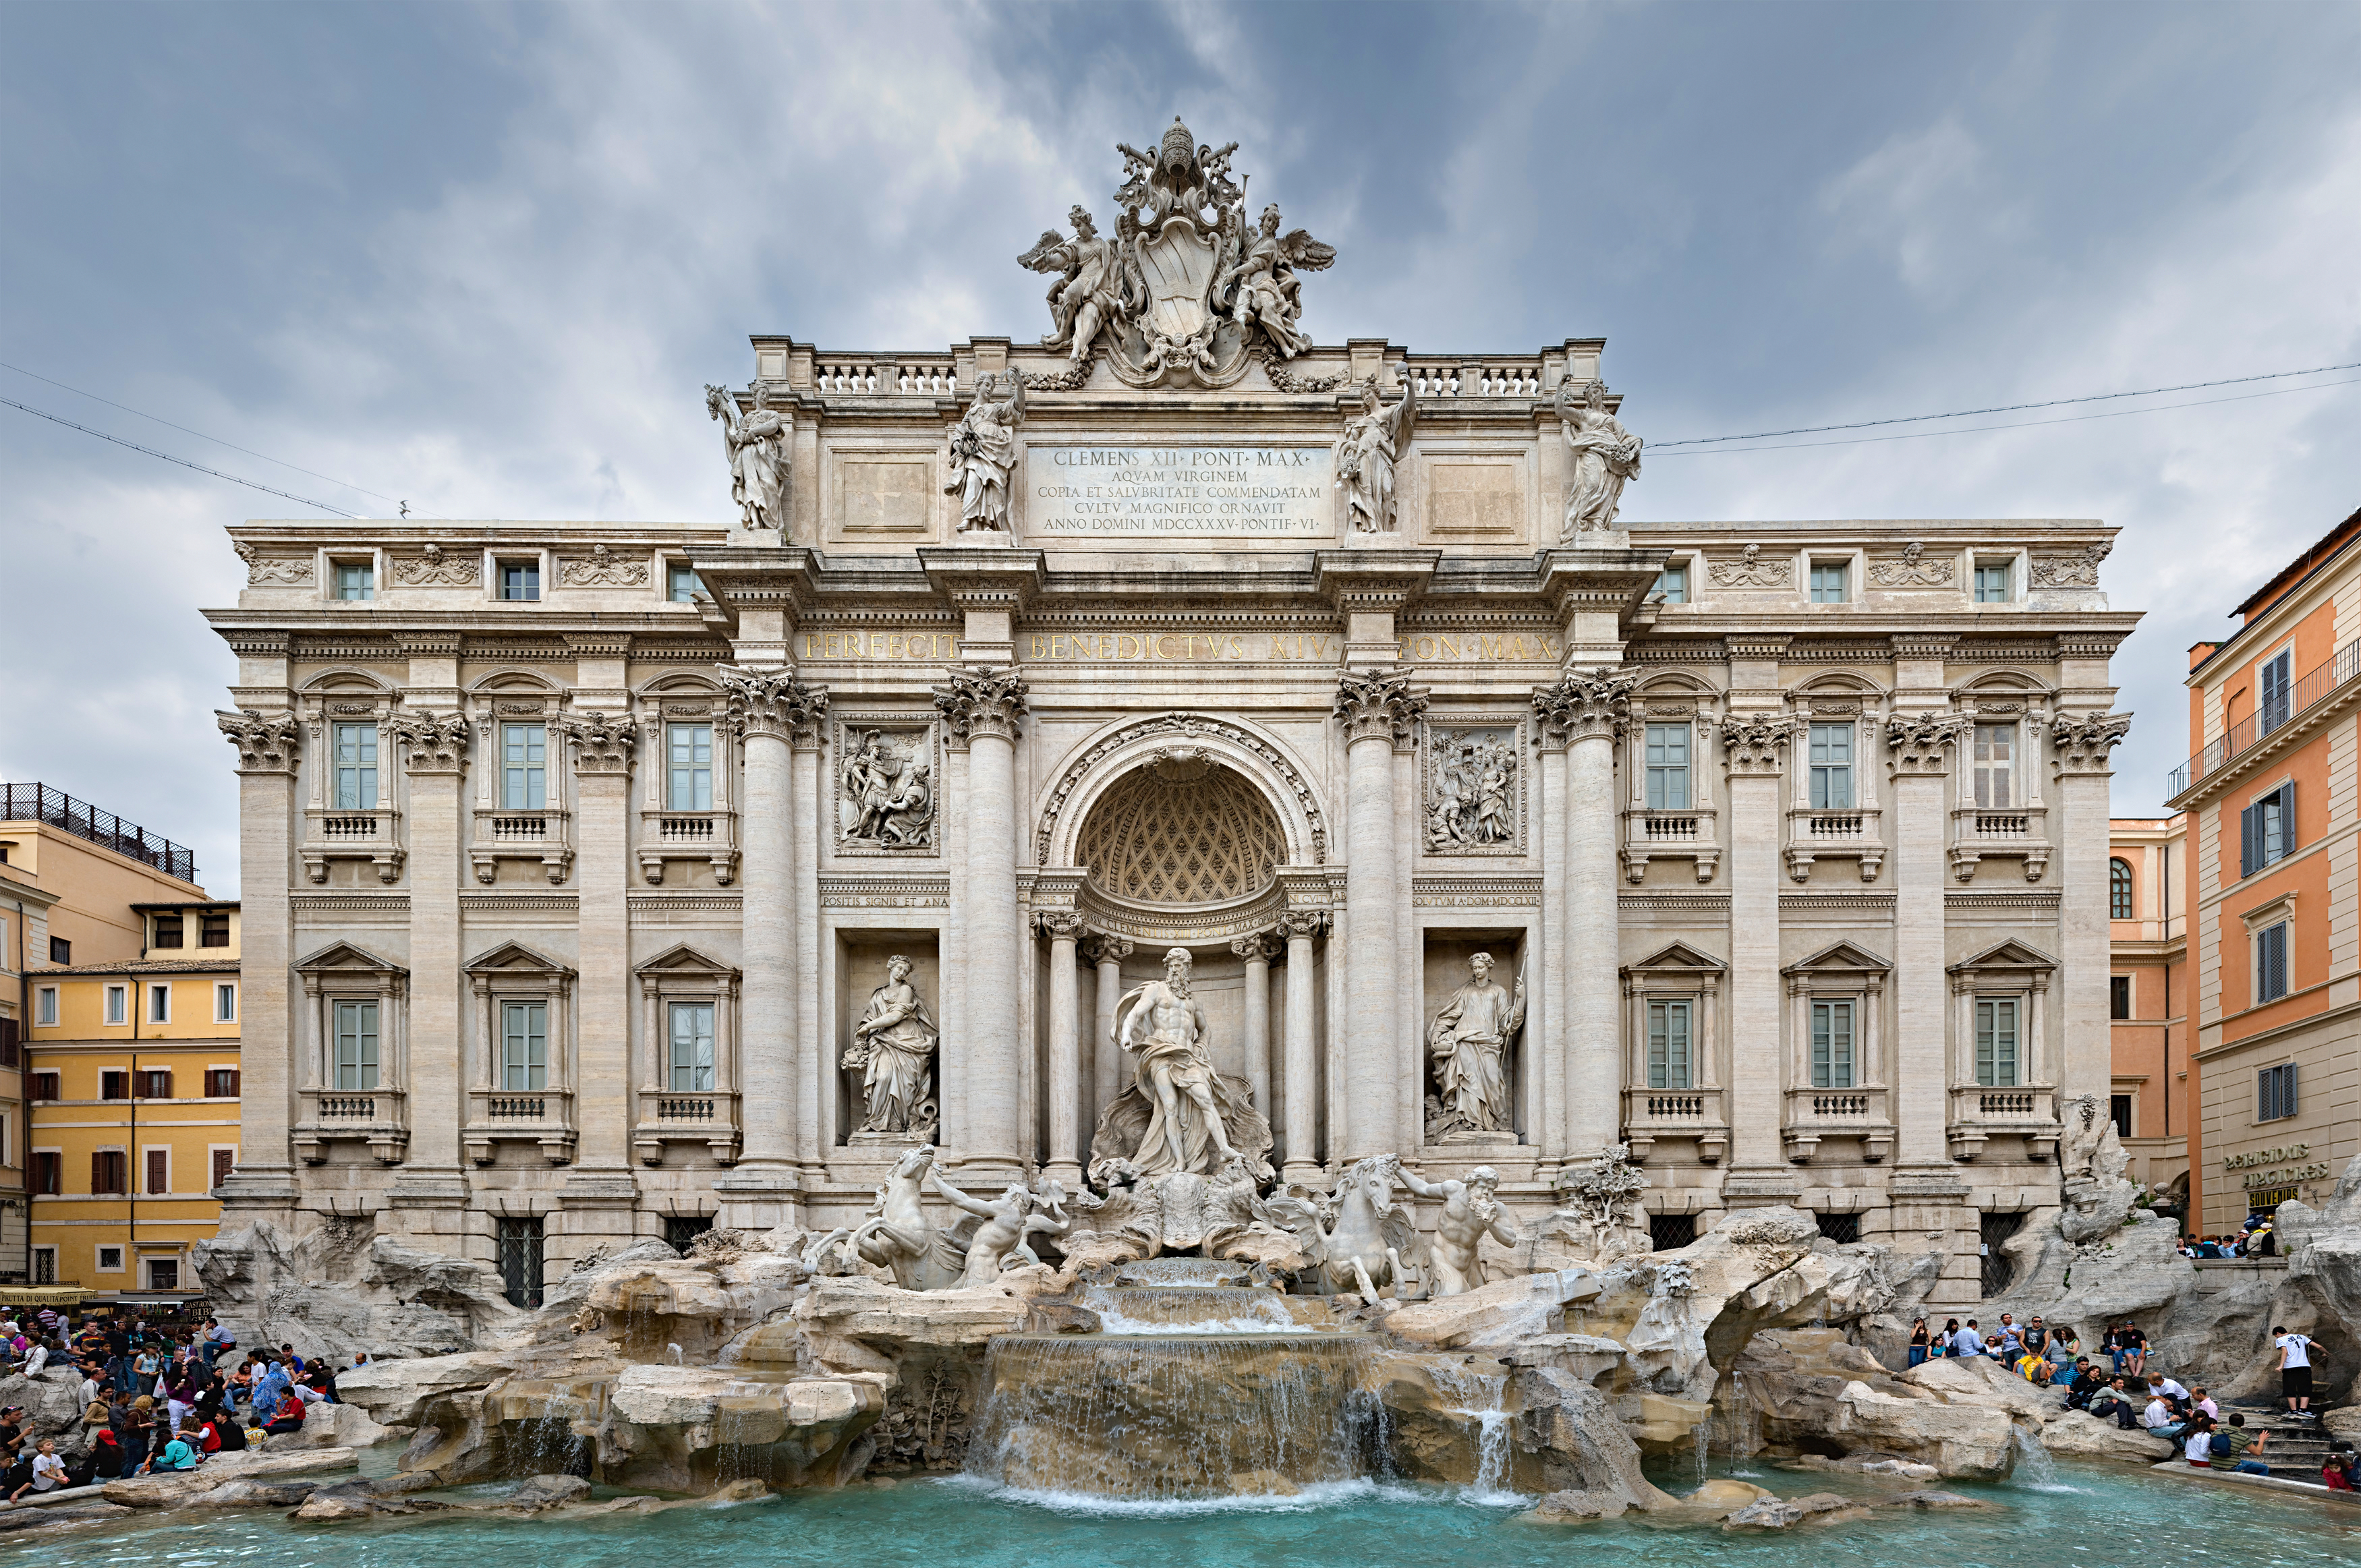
{"x": 2119, "y": 889}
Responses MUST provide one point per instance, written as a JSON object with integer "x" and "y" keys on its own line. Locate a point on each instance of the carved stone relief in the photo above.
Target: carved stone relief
{"x": 1751, "y": 569}
{"x": 1474, "y": 790}
{"x": 274, "y": 571}
{"x": 436, "y": 568}
{"x": 887, "y": 788}
{"x": 602, "y": 568}
{"x": 2078, "y": 571}
{"x": 1911, "y": 569}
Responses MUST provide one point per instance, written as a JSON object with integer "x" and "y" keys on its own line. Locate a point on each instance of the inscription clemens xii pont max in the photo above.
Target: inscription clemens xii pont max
{"x": 1180, "y": 489}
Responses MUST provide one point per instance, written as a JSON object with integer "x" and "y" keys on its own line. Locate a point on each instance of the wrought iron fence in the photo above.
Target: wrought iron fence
{"x": 2276, "y": 712}
{"x": 39, "y": 802}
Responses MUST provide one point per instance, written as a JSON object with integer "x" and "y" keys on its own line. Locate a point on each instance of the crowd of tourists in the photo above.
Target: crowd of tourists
{"x": 2125, "y": 1391}
{"x": 154, "y": 1397}
{"x": 2258, "y": 1238}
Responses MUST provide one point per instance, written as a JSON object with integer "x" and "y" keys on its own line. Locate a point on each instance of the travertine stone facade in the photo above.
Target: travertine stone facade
{"x": 1724, "y": 840}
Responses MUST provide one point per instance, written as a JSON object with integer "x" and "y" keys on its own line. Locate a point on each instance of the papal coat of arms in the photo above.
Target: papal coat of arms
{"x": 1187, "y": 288}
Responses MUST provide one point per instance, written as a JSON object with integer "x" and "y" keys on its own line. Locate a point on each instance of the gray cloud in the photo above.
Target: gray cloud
{"x": 483, "y": 257}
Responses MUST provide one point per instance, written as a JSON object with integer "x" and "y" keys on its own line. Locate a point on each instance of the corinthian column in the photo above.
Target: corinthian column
{"x": 603, "y": 744}
{"x": 768, "y": 707}
{"x": 981, "y": 708}
{"x": 1921, "y": 746}
{"x": 433, "y": 750}
{"x": 1585, "y": 711}
{"x": 1063, "y": 928}
{"x": 1107, "y": 952}
{"x": 1256, "y": 951}
{"x": 1754, "y": 749}
{"x": 1301, "y": 1080}
{"x": 264, "y": 1177}
{"x": 1379, "y": 710}
{"x": 2083, "y": 760}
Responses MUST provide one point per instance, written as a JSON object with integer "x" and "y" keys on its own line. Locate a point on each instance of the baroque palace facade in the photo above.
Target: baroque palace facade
{"x": 579, "y": 857}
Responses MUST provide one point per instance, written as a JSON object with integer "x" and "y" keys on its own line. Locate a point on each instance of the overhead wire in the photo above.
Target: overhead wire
{"x": 233, "y": 478}
{"x": 2007, "y": 409}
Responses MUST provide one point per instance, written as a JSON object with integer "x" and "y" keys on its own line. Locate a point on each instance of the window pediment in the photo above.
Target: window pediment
{"x": 343, "y": 960}
{"x": 1840, "y": 960}
{"x": 1676, "y": 959}
{"x": 2011, "y": 957}
{"x": 514, "y": 961}
{"x": 683, "y": 962}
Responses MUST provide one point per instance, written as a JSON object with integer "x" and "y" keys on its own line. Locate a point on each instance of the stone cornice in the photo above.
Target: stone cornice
{"x": 1373, "y": 579}
{"x": 984, "y": 577}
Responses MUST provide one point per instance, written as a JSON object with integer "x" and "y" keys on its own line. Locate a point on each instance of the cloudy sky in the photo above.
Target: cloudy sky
{"x": 482, "y": 258}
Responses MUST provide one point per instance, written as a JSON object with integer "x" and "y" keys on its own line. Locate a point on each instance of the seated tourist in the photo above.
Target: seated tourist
{"x": 2199, "y": 1399}
{"x": 2336, "y": 1469}
{"x": 288, "y": 1418}
{"x": 2158, "y": 1418}
{"x": 2237, "y": 1448}
{"x": 2115, "y": 1402}
{"x": 181, "y": 1453}
{"x": 2198, "y": 1446}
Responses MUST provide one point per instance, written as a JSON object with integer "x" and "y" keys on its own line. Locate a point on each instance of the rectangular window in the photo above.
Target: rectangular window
{"x": 356, "y": 767}
{"x": 1669, "y": 1048}
{"x": 692, "y": 1047}
{"x": 225, "y": 1002}
{"x": 689, "y": 767}
{"x": 221, "y": 1083}
{"x": 114, "y": 1085}
{"x": 2270, "y": 963}
{"x": 110, "y": 1260}
{"x": 44, "y": 1086}
{"x": 1670, "y": 1233}
{"x": 524, "y": 773}
{"x": 680, "y": 583}
{"x": 1992, "y": 583}
{"x": 61, "y": 950}
{"x": 12, "y": 1056}
{"x": 213, "y": 932}
{"x": 1842, "y": 1229}
{"x": 1831, "y": 765}
{"x": 159, "y": 1004}
{"x": 44, "y": 1007}
{"x": 108, "y": 1175}
{"x": 159, "y": 1171}
{"x": 1827, "y": 582}
{"x": 1668, "y": 767}
{"x": 2119, "y": 996}
{"x": 1672, "y": 585}
{"x": 517, "y": 1248}
{"x": 118, "y": 1004}
{"x": 46, "y": 1173}
{"x": 2273, "y": 683}
{"x": 2119, "y": 1112}
{"x": 355, "y": 1044}
{"x": 163, "y": 1273}
{"x": 224, "y": 1163}
{"x": 45, "y": 1264}
{"x": 2267, "y": 830}
{"x": 520, "y": 579}
{"x": 1997, "y": 1058}
{"x": 2275, "y": 1092}
{"x": 168, "y": 931}
{"x": 154, "y": 1083}
{"x": 355, "y": 580}
{"x": 1832, "y": 1042}
{"x": 524, "y": 1045}
{"x": 1996, "y": 766}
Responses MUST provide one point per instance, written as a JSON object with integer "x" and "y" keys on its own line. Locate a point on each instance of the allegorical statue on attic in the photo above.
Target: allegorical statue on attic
{"x": 1606, "y": 458}
{"x": 757, "y": 445}
{"x": 1374, "y": 440}
{"x": 983, "y": 451}
{"x": 1187, "y": 288}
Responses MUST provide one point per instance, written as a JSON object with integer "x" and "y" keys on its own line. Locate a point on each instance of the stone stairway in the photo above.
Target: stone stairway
{"x": 2296, "y": 1448}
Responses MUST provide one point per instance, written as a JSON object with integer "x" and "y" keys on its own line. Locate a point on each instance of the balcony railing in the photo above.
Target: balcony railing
{"x": 1983, "y": 1112}
{"x": 1816, "y": 1113}
{"x": 545, "y": 1116}
{"x": 373, "y": 1116}
{"x": 2309, "y": 693}
{"x": 39, "y": 802}
{"x": 1652, "y": 1114}
{"x": 708, "y": 1117}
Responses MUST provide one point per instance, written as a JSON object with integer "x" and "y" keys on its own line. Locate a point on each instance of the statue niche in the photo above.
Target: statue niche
{"x": 893, "y": 1056}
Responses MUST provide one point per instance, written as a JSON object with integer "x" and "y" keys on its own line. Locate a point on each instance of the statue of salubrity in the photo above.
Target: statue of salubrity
{"x": 1469, "y": 1043}
{"x": 893, "y": 1050}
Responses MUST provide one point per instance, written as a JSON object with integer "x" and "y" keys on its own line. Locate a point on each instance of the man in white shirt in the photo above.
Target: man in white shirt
{"x": 1968, "y": 1341}
{"x": 2158, "y": 1419}
{"x": 2295, "y": 1371}
{"x": 2172, "y": 1389}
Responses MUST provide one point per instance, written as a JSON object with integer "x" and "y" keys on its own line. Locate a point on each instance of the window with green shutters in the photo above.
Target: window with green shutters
{"x": 692, "y": 1047}
{"x": 1670, "y": 1052}
{"x": 1832, "y": 766}
{"x": 524, "y": 1045}
{"x": 524, "y": 750}
{"x": 356, "y": 1045}
{"x": 1832, "y": 1044}
{"x": 1999, "y": 1060}
{"x": 1668, "y": 767}
{"x": 356, "y": 767}
{"x": 689, "y": 767}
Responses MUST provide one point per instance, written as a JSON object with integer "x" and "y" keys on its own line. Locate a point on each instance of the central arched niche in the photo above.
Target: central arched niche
{"x": 1182, "y": 831}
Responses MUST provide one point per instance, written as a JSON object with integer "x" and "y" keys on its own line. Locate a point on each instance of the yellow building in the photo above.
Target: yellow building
{"x": 126, "y": 999}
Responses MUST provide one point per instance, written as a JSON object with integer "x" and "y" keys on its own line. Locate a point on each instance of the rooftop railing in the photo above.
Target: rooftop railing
{"x": 39, "y": 802}
{"x": 2276, "y": 712}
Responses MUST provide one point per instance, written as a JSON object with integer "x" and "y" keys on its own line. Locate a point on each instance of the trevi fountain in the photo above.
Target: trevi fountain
{"x": 1175, "y": 945}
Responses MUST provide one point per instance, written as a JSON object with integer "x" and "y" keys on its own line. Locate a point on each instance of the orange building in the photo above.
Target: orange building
{"x": 2273, "y": 873}
{"x": 2148, "y": 996}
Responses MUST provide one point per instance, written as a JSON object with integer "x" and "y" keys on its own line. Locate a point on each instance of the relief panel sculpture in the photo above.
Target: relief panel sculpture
{"x": 1472, "y": 791}
{"x": 885, "y": 788}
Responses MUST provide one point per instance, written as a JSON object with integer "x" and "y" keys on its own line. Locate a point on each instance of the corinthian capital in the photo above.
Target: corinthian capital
{"x": 2086, "y": 744}
{"x": 1105, "y": 948}
{"x": 1584, "y": 703}
{"x": 1757, "y": 742}
{"x": 602, "y": 742}
{"x": 982, "y": 702}
{"x": 430, "y": 742}
{"x": 1378, "y": 704}
{"x": 265, "y": 742}
{"x": 773, "y": 702}
{"x": 1059, "y": 925}
{"x": 1922, "y": 743}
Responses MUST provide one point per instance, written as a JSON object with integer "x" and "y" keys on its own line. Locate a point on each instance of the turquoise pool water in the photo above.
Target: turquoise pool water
{"x": 2095, "y": 1518}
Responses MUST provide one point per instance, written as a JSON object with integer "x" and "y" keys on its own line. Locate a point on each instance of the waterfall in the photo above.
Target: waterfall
{"x": 1190, "y": 1309}
{"x": 1481, "y": 1398}
{"x": 2031, "y": 1465}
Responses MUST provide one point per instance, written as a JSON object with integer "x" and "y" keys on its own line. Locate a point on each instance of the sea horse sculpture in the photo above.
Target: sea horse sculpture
{"x": 1357, "y": 1237}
